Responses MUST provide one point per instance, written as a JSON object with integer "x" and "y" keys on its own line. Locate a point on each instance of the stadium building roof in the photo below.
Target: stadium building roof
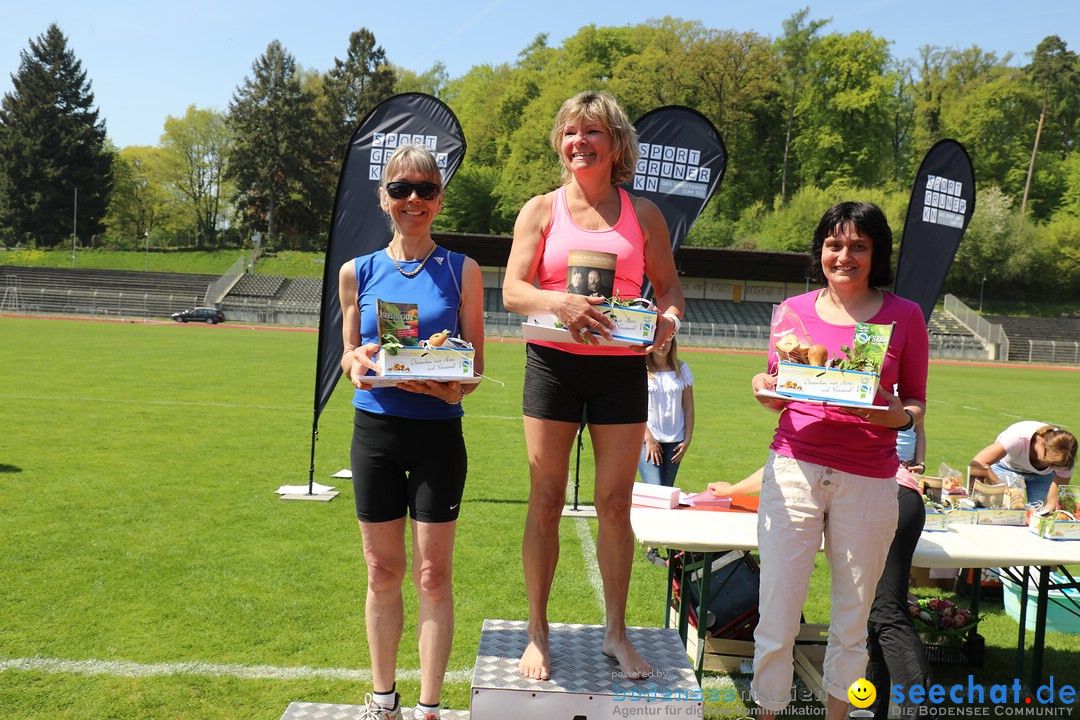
{"x": 720, "y": 263}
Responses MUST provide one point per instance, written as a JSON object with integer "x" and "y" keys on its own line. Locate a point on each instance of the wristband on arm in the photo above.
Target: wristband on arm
{"x": 910, "y": 422}
{"x": 675, "y": 321}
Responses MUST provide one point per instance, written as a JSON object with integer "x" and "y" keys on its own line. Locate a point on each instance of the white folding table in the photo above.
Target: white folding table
{"x": 974, "y": 546}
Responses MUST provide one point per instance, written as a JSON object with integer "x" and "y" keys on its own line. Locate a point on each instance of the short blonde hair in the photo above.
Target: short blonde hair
{"x": 411, "y": 157}
{"x": 602, "y": 108}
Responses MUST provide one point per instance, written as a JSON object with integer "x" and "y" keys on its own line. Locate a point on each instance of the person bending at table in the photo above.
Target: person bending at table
{"x": 832, "y": 471}
{"x": 598, "y": 149}
{"x": 408, "y": 453}
{"x": 1042, "y": 454}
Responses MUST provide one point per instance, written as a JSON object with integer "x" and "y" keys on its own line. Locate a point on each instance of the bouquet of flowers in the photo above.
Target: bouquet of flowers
{"x": 936, "y": 619}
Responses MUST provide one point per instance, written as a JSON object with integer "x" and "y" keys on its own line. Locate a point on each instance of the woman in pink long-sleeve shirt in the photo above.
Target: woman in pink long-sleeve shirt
{"x": 831, "y": 472}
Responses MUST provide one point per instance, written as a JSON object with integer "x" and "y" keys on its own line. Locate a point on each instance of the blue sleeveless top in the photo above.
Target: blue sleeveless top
{"x": 436, "y": 290}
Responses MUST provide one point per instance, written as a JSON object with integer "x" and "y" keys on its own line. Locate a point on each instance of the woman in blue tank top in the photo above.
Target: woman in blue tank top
{"x": 392, "y": 473}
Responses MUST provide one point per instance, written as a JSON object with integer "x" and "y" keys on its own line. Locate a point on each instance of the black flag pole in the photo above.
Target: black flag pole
{"x": 358, "y": 227}
{"x": 681, "y": 163}
{"x": 941, "y": 206}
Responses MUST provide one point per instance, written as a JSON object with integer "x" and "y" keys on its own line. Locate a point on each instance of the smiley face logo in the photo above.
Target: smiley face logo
{"x": 862, "y": 693}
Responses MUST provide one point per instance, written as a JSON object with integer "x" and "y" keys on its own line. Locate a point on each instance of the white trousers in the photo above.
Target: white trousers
{"x": 801, "y": 502}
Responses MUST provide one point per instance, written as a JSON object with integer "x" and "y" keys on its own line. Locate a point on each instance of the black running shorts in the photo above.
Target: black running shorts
{"x": 404, "y": 465}
{"x": 610, "y": 389}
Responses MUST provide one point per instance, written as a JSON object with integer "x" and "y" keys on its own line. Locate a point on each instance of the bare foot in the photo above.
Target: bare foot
{"x": 536, "y": 660}
{"x": 632, "y": 665}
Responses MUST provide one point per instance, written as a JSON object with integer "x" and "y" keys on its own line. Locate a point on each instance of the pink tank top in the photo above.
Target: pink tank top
{"x": 625, "y": 240}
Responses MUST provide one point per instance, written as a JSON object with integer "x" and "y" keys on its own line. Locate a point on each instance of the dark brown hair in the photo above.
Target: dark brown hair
{"x": 869, "y": 221}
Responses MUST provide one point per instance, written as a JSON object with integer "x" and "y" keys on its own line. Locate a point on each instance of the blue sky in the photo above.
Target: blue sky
{"x": 149, "y": 60}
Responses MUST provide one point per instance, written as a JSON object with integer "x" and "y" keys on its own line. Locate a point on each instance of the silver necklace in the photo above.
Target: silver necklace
{"x": 418, "y": 268}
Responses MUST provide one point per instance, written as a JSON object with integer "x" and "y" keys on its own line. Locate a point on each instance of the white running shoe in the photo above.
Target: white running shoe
{"x": 374, "y": 711}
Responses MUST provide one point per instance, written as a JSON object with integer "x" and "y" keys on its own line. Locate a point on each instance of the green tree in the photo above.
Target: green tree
{"x": 657, "y": 73}
{"x": 52, "y": 146}
{"x": 274, "y": 162}
{"x": 1055, "y": 73}
{"x": 736, "y": 78}
{"x": 431, "y": 82}
{"x": 1062, "y": 235}
{"x": 357, "y": 84}
{"x": 902, "y": 122}
{"x": 795, "y": 46}
{"x": 472, "y": 97}
{"x": 991, "y": 117}
{"x": 959, "y": 89}
{"x": 845, "y": 128}
{"x": 195, "y": 148}
{"x": 139, "y": 203}
{"x": 472, "y": 201}
{"x": 1070, "y": 200}
{"x": 986, "y": 247}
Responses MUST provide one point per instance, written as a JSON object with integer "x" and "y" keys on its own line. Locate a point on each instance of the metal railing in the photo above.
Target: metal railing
{"x": 103, "y": 303}
{"x": 150, "y": 306}
{"x": 1053, "y": 351}
{"x": 218, "y": 289}
{"x": 992, "y": 335}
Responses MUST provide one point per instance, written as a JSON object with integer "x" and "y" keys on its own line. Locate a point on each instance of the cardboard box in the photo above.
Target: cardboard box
{"x": 655, "y": 496}
{"x": 1046, "y": 526}
{"x": 962, "y": 516}
{"x": 854, "y": 381}
{"x": 633, "y": 326}
{"x": 1000, "y": 516}
{"x": 810, "y": 382}
{"x": 936, "y": 521}
{"x": 440, "y": 362}
{"x": 928, "y": 577}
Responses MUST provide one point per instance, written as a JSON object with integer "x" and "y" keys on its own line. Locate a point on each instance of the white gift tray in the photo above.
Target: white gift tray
{"x": 529, "y": 331}
{"x": 826, "y": 403}
{"x": 392, "y": 380}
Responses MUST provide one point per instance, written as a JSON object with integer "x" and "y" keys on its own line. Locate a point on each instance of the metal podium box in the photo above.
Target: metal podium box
{"x": 585, "y": 684}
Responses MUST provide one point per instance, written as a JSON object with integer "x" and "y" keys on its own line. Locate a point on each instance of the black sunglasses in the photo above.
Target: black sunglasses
{"x": 423, "y": 190}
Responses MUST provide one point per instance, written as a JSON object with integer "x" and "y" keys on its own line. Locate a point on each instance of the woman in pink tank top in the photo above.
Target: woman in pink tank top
{"x": 572, "y": 247}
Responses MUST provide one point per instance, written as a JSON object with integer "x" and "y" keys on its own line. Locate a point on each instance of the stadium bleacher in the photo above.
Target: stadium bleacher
{"x": 258, "y": 286}
{"x": 1024, "y": 331}
{"x": 301, "y": 290}
{"x": 101, "y": 292}
{"x": 152, "y": 294}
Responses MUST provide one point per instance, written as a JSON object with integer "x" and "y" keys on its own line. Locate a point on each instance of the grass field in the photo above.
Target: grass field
{"x": 203, "y": 262}
{"x": 150, "y": 572}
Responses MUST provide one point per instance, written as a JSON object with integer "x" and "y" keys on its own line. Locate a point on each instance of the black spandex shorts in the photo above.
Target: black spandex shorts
{"x": 401, "y": 464}
{"x": 612, "y": 390}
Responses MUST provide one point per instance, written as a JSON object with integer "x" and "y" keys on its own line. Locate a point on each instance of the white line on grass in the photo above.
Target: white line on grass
{"x": 119, "y": 668}
{"x": 148, "y": 402}
{"x": 588, "y": 552}
{"x": 68, "y": 398}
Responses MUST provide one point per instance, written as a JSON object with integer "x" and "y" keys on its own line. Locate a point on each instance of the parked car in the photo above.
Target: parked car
{"x": 200, "y": 314}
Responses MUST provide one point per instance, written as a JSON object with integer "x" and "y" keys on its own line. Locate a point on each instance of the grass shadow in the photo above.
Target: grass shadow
{"x": 9, "y": 468}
